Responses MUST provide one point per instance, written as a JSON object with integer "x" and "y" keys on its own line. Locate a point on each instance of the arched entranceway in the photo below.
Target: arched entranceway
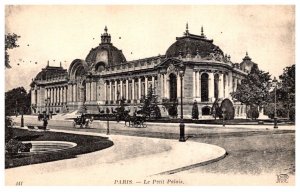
{"x": 227, "y": 105}
{"x": 204, "y": 87}
{"x": 173, "y": 87}
{"x": 206, "y": 110}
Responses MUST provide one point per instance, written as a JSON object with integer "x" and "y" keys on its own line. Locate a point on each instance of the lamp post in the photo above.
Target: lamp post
{"x": 22, "y": 118}
{"x": 181, "y": 125}
{"x": 275, "y": 103}
{"x": 223, "y": 115}
{"x": 48, "y": 108}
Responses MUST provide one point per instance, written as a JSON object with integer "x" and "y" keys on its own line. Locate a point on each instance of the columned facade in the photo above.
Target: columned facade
{"x": 101, "y": 80}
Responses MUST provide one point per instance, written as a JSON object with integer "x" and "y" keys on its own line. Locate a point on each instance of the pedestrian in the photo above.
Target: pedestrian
{"x": 45, "y": 119}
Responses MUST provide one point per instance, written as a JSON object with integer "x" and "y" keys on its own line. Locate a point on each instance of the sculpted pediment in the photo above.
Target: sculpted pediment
{"x": 169, "y": 65}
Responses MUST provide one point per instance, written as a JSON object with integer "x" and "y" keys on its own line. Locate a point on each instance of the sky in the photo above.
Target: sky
{"x": 63, "y": 33}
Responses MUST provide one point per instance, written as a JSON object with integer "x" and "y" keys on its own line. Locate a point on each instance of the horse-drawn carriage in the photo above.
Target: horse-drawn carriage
{"x": 82, "y": 121}
{"x": 137, "y": 121}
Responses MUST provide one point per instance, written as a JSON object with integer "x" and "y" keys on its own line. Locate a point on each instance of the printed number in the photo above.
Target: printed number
{"x": 19, "y": 183}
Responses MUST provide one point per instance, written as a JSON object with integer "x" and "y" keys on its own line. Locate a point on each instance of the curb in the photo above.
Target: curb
{"x": 173, "y": 171}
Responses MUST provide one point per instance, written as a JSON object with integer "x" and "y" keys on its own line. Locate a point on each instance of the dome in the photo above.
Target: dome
{"x": 193, "y": 44}
{"x": 51, "y": 72}
{"x": 105, "y": 53}
{"x": 247, "y": 64}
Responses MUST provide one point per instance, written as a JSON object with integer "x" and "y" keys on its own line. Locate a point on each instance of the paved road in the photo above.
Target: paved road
{"x": 133, "y": 158}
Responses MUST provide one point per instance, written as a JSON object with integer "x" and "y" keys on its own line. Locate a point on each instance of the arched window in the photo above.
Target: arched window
{"x": 216, "y": 85}
{"x": 173, "y": 87}
{"x": 204, "y": 87}
{"x": 99, "y": 67}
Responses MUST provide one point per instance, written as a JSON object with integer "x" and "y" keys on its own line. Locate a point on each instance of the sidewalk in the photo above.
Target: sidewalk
{"x": 130, "y": 158}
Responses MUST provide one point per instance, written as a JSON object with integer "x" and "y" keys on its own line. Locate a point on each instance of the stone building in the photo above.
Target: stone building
{"x": 104, "y": 77}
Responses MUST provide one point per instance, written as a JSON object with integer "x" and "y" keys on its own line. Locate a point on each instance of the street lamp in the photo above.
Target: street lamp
{"x": 223, "y": 115}
{"x": 47, "y": 103}
{"x": 275, "y": 103}
{"x": 181, "y": 125}
{"x": 22, "y": 118}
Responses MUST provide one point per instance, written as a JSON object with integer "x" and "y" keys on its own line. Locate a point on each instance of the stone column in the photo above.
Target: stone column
{"x": 51, "y": 97}
{"x": 165, "y": 86}
{"x": 146, "y": 85}
{"x": 74, "y": 92}
{"x": 32, "y": 96}
{"x": 162, "y": 82}
{"x": 127, "y": 89}
{"x": 230, "y": 84}
{"x": 55, "y": 95}
{"x": 236, "y": 83}
{"x": 121, "y": 88}
{"x": 116, "y": 88}
{"x": 221, "y": 86}
{"x": 133, "y": 89}
{"x": 153, "y": 82}
{"x": 211, "y": 87}
{"x": 226, "y": 86}
{"x": 61, "y": 95}
{"x": 66, "y": 93}
{"x": 140, "y": 89}
{"x": 81, "y": 108}
{"x": 38, "y": 96}
{"x": 105, "y": 91}
{"x": 194, "y": 84}
{"x": 197, "y": 84}
{"x": 69, "y": 92}
{"x": 93, "y": 91}
{"x": 110, "y": 90}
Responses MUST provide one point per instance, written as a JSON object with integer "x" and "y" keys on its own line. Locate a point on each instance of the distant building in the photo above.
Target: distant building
{"x": 104, "y": 77}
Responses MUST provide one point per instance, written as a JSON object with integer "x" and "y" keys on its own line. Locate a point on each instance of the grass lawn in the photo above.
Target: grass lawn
{"x": 85, "y": 144}
{"x": 253, "y": 154}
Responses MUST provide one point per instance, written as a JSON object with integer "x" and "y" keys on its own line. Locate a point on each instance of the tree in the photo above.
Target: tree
{"x": 195, "y": 111}
{"x": 254, "y": 88}
{"x": 285, "y": 94}
{"x": 253, "y": 112}
{"x": 17, "y": 101}
{"x": 288, "y": 82}
{"x": 10, "y": 43}
{"x": 121, "y": 113}
{"x": 150, "y": 108}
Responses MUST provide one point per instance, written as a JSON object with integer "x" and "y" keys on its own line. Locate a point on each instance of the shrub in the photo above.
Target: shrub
{"x": 253, "y": 112}
{"x": 14, "y": 146}
{"x": 195, "y": 111}
{"x": 173, "y": 112}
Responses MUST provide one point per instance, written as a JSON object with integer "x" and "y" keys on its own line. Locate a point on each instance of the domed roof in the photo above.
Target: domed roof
{"x": 247, "y": 64}
{"x": 50, "y": 72}
{"x": 193, "y": 44}
{"x": 105, "y": 52}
